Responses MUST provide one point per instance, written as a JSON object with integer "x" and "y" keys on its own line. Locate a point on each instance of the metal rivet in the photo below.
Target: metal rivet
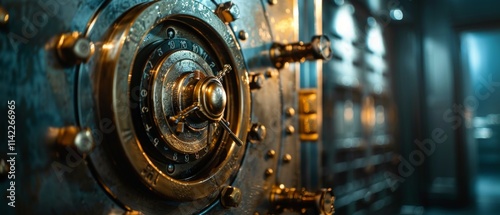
{"x": 271, "y": 153}
{"x": 287, "y": 158}
{"x": 170, "y": 33}
{"x": 290, "y": 129}
{"x": 272, "y": 2}
{"x": 230, "y": 196}
{"x": 242, "y": 34}
{"x": 290, "y": 112}
{"x": 84, "y": 142}
{"x": 170, "y": 168}
{"x": 4, "y": 16}
{"x": 256, "y": 81}
{"x": 73, "y": 48}
{"x": 257, "y": 133}
{"x": 269, "y": 171}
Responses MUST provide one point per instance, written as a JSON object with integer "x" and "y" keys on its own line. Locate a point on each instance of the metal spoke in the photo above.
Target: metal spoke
{"x": 233, "y": 136}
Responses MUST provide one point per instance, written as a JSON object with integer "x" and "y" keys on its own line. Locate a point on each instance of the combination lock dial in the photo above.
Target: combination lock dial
{"x": 171, "y": 78}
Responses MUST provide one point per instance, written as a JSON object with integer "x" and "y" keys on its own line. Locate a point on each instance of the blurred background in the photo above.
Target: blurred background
{"x": 411, "y": 106}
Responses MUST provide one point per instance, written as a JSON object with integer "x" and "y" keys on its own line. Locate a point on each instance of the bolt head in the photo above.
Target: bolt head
{"x": 228, "y": 12}
{"x": 272, "y": 2}
{"x": 84, "y": 142}
{"x": 257, "y": 133}
{"x": 82, "y": 48}
{"x": 234, "y": 10}
{"x": 230, "y": 196}
{"x": 290, "y": 112}
{"x": 256, "y": 81}
{"x": 73, "y": 48}
{"x": 327, "y": 202}
{"x": 322, "y": 47}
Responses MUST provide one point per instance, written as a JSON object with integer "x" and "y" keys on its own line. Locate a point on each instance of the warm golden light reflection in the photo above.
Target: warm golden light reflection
{"x": 368, "y": 115}
{"x": 107, "y": 46}
{"x": 348, "y": 111}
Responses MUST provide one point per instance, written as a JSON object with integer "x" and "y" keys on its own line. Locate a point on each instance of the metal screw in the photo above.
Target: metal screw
{"x": 327, "y": 201}
{"x": 230, "y": 196}
{"x": 256, "y": 81}
{"x": 257, "y": 133}
{"x": 242, "y": 34}
{"x": 287, "y": 158}
{"x": 228, "y": 11}
{"x": 290, "y": 112}
{"x": 84, "y": 142}
{"x": 4, "y": 16}
{"x": 290, "y": 129}
{"x": 73, "y": 48}
{"x": 271, "y": 153}
{"x": 272, "y": 2}
{"x": 170, "y": 168}
{"x": 269, "y": 172}
{"x": 170, "y": 33}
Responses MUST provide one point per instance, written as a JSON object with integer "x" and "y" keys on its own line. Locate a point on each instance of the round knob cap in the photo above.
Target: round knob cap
{"x": 214, "y": 98}
{"x": 318, "y": 49}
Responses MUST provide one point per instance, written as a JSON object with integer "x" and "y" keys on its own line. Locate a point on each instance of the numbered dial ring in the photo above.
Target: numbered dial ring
{"x": 172, "y": 79}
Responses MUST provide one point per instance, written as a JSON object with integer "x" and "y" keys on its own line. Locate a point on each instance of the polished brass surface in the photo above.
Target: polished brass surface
{"x": 4, "y": 16}
{"x": 73, "y": 48}
{"x": 308, "y": 115}
{"x": 153, "y": 107}
{"x": 318, "y": 49}
{"x": 171, "y": 114}
{"x": 230, "y": 196}
{"x": 284, "y": 199}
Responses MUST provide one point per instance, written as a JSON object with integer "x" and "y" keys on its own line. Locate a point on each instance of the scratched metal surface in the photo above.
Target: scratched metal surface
{"x": 284, "y": 19}
{"x": 45, "y": 97}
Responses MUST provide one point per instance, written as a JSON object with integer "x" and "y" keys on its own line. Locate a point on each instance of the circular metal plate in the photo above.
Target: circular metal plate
{"x": 123, "y": 151}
